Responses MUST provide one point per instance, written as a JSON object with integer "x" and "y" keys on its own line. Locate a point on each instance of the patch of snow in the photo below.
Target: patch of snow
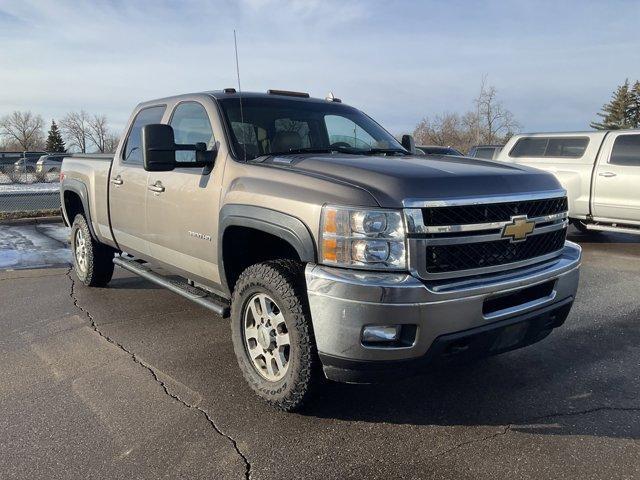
{"x": 32, "y": 246}
{"x": 30, "y": 188}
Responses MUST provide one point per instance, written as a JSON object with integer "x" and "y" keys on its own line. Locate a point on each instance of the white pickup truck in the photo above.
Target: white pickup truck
{"x": 599, "y": 169}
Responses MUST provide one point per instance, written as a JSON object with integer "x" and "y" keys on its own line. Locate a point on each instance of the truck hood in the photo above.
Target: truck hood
{"x": 392, "y": 179}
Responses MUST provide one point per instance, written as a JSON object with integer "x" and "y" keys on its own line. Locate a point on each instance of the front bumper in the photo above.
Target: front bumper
{"x": 449, "y": 316}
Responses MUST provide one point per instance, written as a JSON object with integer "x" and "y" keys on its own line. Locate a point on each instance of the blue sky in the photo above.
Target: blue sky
{"x": 554, "y": 63}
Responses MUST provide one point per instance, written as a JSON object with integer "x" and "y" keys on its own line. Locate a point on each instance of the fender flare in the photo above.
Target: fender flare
{"x": 284, "y": 226}
{"x": 80, "y": 189}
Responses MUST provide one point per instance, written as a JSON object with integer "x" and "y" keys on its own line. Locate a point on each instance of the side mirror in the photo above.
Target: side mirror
{"x": 159, "y": 150}
{"x": 408, "y": 143}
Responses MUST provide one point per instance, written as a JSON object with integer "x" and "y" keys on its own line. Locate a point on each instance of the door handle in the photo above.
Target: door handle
{"x": 156, "y": 187}
{"x": 117, "y": 180}
{"x": 607, "y": 174}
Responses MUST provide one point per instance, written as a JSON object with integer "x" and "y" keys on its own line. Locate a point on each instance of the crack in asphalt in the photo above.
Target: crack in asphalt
{"x": 460, "y": 445}
{"x": 148, "y": 367}
{"x": 509, "y": 427}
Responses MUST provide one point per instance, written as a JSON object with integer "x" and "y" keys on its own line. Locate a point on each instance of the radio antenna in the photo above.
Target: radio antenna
{"x": 235, "y": 42}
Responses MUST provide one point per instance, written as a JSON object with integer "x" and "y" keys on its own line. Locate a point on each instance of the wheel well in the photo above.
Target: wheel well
{"x": 72, "y": 205}
{"x": 244, "y": 246}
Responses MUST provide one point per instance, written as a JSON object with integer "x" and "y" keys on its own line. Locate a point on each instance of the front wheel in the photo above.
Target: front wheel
{"x": 92, "y": 261}
{"x": 272, "y": 333}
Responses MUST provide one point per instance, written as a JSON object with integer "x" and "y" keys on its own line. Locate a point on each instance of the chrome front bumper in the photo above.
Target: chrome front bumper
{"x": 342, "y": 302}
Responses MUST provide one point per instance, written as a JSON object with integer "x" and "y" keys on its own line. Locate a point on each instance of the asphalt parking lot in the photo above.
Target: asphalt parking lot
{"x": 132, "y": 381}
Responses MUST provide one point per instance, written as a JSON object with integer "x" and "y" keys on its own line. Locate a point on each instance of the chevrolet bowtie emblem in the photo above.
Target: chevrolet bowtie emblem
{"x": 519, "y": 228}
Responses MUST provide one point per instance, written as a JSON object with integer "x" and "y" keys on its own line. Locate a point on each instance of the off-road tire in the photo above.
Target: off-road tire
{"x": 283, "y": 281}
{"x": 98, "y": 261}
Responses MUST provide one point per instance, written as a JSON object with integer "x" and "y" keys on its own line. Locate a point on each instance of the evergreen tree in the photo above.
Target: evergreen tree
{"x": 617, "y": 113}
{"x": 635, "y": 105}
{"x": 55, "y": 144}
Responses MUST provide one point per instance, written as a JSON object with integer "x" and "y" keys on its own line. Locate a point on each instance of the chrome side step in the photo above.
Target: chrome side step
{"x": 195, "y": 294}
{"x": 613, "y": 228}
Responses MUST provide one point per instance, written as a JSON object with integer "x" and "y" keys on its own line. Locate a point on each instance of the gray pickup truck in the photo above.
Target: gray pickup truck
{"x": 335, "y": 251}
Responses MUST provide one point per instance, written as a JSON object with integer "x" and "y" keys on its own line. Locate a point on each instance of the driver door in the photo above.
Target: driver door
{"x": 182, "y": 205}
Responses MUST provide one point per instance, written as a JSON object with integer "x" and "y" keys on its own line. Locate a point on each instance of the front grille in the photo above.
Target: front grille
{"x": 494, "y": 212}
{"x": 468, "y": 256}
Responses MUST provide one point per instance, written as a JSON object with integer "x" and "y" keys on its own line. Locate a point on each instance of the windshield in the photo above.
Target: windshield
{"x": 269, "y": 126}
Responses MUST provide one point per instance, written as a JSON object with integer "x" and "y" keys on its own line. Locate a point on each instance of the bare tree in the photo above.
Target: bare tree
{"x": 23, "y": 128}
{"x": 98, "y": 131}
{"x": 494, "y": 122}
{"x": 111, "y": 143}
{"x": 448, "y": 129}
{"x": 491, "y": 122}
{"x": 75, "y": 127}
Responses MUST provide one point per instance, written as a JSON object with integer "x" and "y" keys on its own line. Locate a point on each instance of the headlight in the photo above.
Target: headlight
{"x": 354, "y": 237}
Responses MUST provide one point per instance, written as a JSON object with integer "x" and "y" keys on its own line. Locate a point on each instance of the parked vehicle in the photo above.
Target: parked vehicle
{"x": 333, "y": 248}
{"x": 438, "y": 150}
{"x": 48, "y": 165}
{"x": 487, "y": 152}
{"x": 599, "y": 169}
{"x": 8, "y": 161}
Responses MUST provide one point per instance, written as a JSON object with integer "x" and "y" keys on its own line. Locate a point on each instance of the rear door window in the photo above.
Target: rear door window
{"x": 133, "y": 148}
{"x": 626, "y": 151}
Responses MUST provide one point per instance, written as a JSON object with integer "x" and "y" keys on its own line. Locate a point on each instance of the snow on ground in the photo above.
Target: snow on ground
{"x": 29, "y": 188}
{"x": 34, "y": 246}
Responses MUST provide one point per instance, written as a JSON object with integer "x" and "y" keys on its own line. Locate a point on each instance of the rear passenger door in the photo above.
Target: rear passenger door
{"x": 128, "y": 186}
{"x": 182, "y": 205}
{"x": 617, "y": 179}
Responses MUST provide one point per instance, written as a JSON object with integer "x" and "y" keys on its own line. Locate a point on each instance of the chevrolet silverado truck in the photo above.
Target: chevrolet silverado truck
{"x": 335, "y": 251}
{"x": 599, "y": 169}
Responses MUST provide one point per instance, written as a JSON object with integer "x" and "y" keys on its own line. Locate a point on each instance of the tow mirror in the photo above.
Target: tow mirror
{"x": 159, "y": 150}
{"x": 408, "y": 143}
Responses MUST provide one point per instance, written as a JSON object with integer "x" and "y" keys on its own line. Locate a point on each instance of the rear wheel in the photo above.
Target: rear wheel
{"x": 272, "y": 333}
{"x": 92, "y": 261}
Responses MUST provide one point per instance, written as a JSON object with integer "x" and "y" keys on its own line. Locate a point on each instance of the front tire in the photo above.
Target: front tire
{"x": 92, "y": 261}
{"x": 272, "y": 333}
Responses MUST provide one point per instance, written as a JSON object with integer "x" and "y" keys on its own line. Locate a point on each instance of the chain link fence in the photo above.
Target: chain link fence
{"x": 29, "y": 188}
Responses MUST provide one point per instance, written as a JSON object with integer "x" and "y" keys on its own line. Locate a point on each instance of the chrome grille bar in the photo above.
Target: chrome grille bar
{"x": 415, "y": 223}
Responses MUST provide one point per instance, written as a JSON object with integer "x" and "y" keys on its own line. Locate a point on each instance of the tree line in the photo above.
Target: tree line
{"x": 489, "y": 122}
{"x": 76, "y": 131}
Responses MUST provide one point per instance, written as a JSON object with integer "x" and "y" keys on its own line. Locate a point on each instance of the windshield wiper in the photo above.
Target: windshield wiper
{"x": 349, "y": 150}
{"x": 375, "y": 151}
{"x": 304, "y": 150}
{"x": 341, "y": 149}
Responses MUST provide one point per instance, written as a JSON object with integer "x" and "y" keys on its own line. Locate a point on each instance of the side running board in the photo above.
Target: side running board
{"x": 613, "y": 227}
{"x": 195, "y": 294}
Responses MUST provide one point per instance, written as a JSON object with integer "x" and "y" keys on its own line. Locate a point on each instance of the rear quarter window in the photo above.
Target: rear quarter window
{"x": 552, "y": 147}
